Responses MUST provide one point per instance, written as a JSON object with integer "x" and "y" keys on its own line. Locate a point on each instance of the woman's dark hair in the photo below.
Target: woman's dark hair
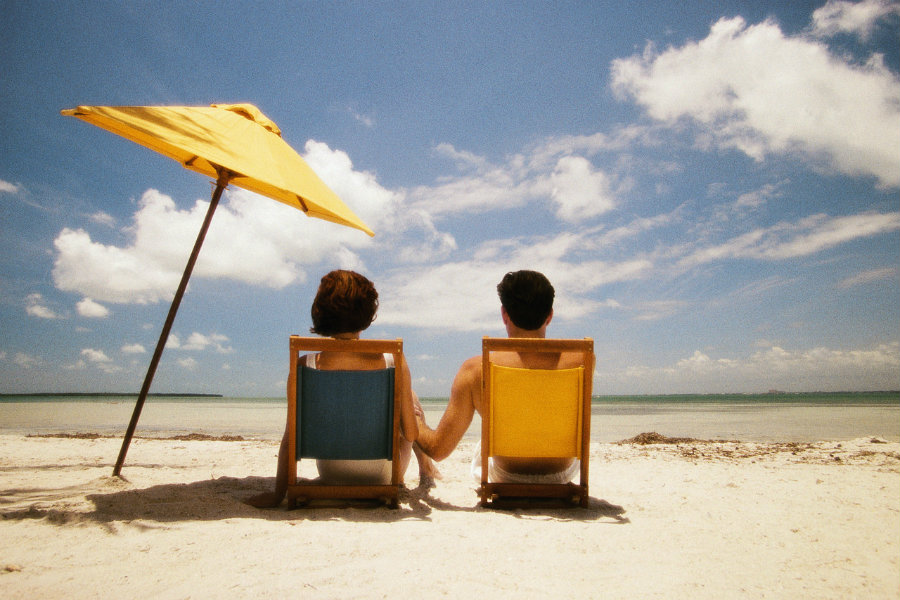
{"x": 345, "y": 303}
{"x": 527, "y": 297}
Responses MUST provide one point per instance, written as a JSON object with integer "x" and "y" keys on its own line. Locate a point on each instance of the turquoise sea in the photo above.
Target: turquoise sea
{"x": 783, "y": 417}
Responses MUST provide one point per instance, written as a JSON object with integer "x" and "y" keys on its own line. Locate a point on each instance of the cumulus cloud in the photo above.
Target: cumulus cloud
{"x": 556, "y": 171}
{"x": 89, "y": 308}
{"x": 360, "y": 190}
{"x": 35, "y": 306}
{"x": 198, "y": 342}
{"x": 95, "y": 356}
{"x": 98, "y": 359}
{"x": 251, "y": 239}
{"x": 133, "y": 349}
{"x": 580, "y": 190}
{"x": 757, "y": 90}
{"x": 858, "y": 18}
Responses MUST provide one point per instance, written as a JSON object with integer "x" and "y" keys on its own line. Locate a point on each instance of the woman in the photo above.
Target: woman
{"x": 345, "y": 305}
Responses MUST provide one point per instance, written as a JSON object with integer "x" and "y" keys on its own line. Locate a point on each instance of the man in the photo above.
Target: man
{"x": 526, "y": 299}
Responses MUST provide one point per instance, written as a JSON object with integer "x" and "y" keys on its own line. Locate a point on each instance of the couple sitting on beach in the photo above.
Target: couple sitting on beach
{"x": 345, "y": 305}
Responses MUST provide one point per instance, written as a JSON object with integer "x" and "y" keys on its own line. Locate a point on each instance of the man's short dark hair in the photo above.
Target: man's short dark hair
{"x": 527, "y": 297}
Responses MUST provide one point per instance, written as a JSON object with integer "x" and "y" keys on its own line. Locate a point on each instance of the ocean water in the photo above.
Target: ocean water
{"x": 761, "y": 417}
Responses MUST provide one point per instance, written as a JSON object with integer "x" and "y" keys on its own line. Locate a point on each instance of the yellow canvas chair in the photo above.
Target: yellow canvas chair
{"x": 536, "y": 413}
{"x": 343, "y": 415}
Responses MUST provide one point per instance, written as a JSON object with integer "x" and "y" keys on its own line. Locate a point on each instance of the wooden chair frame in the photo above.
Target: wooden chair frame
{"x": 305, "y": 490}
{"x": 496, "y": 494}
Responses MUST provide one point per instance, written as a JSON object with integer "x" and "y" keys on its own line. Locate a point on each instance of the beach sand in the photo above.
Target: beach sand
{"x": 674, "y": 520}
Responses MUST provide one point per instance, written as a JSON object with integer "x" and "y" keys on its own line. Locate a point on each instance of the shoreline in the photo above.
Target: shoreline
{"x": 610, "y": 422}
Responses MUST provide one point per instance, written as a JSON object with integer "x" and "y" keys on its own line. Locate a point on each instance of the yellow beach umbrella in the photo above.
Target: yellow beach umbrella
{"x": 234, "y": 143}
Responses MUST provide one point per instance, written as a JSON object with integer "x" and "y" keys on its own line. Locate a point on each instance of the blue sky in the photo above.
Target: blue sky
{"x": 711, "y": 187}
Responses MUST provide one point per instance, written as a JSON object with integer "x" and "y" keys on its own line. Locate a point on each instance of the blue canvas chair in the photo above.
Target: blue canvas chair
{"x": 536, "y": 413}
{"x": 343, "y": 415}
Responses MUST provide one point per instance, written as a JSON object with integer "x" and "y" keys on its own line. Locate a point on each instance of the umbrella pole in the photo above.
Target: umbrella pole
{"x": 222, "y": 182}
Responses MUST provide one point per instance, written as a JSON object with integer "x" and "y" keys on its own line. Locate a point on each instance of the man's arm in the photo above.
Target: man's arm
{"x": 439, "y": 443}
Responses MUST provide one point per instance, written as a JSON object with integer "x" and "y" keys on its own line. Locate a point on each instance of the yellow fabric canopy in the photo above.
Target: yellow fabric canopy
{"x": 238, "y": 138}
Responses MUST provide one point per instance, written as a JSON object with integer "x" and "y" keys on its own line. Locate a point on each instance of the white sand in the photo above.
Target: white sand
{"x": 690, "y": 520}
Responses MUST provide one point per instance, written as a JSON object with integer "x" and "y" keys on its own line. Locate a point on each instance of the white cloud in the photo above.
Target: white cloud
{"x": 198, "y": 341}
{"x": 98, "y": 359}
{"x": 462, "y": 158}
{"x": 859, "y": 18}
{"x": 790, "y": 240}
{"x": 251, "y": 239}
{"x": 429, "y": 244}
{"x": 754, "y": 89}
{"x": 579, "y": 190}
{"x": 188, "y": 363}
{"x": 495, "y": 188}
{"x": 554, "y": 172}
{"x": 634, "y": 228}
{"x": 133, "y": 349}
{"x": 35, "y": 306}
{"x": 91, "y": 309}
{"x": 657, "y": 309}
{"x": 9, "y": 188}
{"x": 27, "y": 361}
{"x": 819, "y": 368}
{"x": 461, "y": 296}
{"x": 758, "y": 197}
{"x": 366, "y": 120}
{"x": 868, "y": 277}
{"x": 95, "y": 356}
{"x": 102, "y": 218}
{"x": 360, "y": 190}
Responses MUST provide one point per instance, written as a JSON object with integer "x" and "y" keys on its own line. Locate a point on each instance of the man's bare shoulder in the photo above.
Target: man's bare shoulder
{"x": 570, "y": 359}
{"x": 470, "y": 369}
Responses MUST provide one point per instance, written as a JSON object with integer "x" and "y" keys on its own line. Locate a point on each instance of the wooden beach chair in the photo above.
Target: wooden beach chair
{"x": 343, "y": 415}
{"x": 532, "y": 413}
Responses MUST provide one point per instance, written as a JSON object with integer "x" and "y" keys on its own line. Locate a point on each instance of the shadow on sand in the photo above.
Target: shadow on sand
{"x": 223, "y": 498}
